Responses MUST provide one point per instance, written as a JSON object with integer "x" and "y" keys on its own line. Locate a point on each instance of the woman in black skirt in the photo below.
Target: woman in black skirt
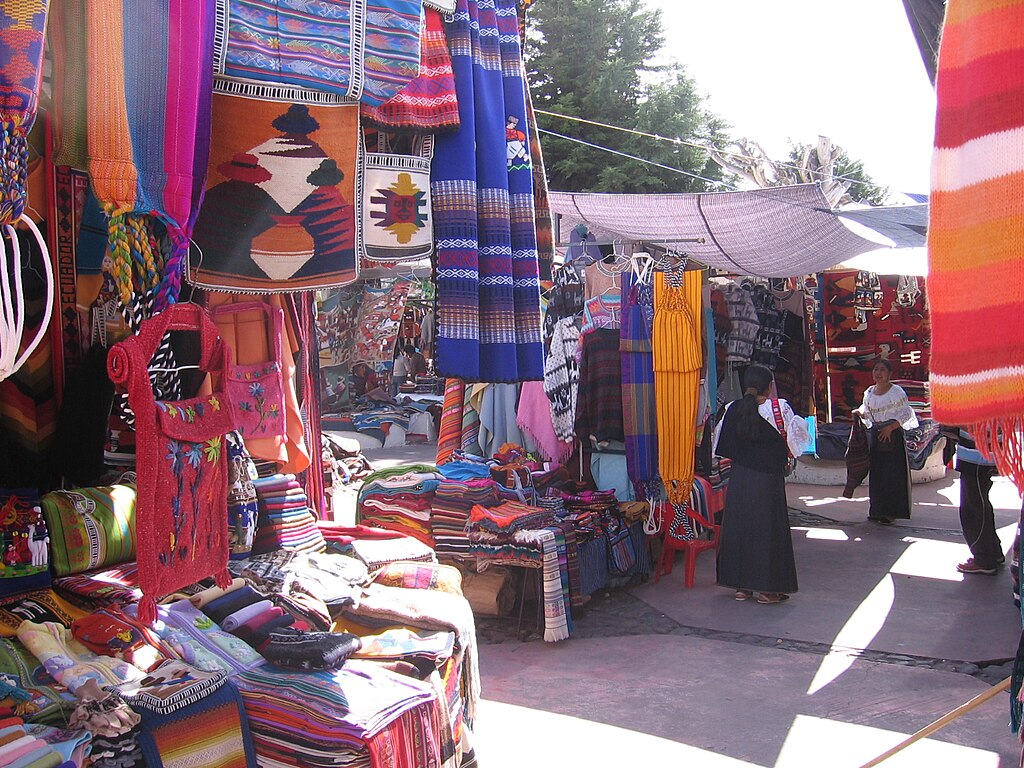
{"x": 887, "y": 413}
{"x": 760, "y": 435}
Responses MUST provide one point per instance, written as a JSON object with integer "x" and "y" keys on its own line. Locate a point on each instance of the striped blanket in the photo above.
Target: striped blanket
{"x": 482, "y": 187}
{"x": 976, "y": 226}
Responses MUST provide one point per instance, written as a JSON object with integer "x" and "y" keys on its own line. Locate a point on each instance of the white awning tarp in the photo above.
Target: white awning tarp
{"x": 774, "y": 232}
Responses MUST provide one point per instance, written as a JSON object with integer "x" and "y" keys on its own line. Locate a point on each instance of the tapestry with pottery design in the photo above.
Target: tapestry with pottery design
{"x": 279, "y": 213}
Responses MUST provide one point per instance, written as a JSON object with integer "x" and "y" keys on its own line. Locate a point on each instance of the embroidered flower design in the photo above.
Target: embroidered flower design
{"x": 256, "y": 389}
{"x": 215, "y": 403}
{"x": 194, "y": 454}
{"x": 212, "y": 449}
{"x": 245, "y": 406}
{"x": 175, "y": 455}
{"x": 190, "y": 414}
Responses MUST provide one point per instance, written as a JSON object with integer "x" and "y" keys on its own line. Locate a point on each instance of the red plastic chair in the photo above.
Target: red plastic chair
{"x": 676, "y": 526}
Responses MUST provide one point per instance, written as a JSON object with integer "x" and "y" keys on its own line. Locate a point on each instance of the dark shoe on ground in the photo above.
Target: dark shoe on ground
{"x": 771, "y": 598}
{"x": 744, "y": 594}
{"x": 881, "y": 520}
{"x": 972, "y": 566}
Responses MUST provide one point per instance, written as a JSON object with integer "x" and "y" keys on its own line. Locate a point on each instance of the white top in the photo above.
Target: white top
{"x": 892, "y": 406}
{"x": 797, "y": 435}
{"x": 402, "y": 364}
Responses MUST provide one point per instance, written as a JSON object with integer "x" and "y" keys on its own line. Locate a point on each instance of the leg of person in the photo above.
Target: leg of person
{"x": 977, "y": 519}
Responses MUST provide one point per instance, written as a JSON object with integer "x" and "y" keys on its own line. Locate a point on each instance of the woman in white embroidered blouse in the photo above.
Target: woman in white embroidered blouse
{"x": 887, "y": 413}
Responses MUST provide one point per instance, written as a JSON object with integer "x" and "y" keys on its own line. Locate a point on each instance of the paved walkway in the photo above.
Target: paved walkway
{"x": 884, "y": 637}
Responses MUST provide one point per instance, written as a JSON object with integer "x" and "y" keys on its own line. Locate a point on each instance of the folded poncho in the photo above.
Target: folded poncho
{"x": 293, "y": 649}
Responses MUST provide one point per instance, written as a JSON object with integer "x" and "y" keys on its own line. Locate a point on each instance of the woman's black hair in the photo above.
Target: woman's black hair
{"x": 884, "y": 363}
{"x": 757, "y": 380}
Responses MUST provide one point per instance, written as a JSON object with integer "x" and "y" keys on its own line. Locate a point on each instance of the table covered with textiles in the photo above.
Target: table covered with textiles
{"x": 342, "y": 646}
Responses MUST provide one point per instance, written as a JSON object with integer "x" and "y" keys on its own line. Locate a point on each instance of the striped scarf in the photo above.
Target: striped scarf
{"x": 976, "y": 229}
{"x": 449, "y": 437}
{"x": 639, "y": 416}
{"x": 150, "y": 134}
{"x": 677, "y": 363}
{"x": 482, "y": 187}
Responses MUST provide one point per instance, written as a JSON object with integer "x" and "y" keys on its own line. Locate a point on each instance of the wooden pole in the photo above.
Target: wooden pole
{"x": 943, "y": 721}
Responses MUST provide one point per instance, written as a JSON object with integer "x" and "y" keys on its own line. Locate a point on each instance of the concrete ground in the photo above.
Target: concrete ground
{"x": 884, "y": 637}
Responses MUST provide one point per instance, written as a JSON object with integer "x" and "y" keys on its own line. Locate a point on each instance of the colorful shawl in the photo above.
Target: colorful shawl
{"x": 149, "y": 139}
{"x": 392, "y": 57}
{"x": 429, "y": 102}
{"x": 976, "y": 227}
{"x": 639, "y": 416}
{"x": 318, "y": 46}
{"x": 487, "y": 273}
{"x": 22, "y": 29}
{"x": 676, "y": 344}
{"x": 534, "y": 418}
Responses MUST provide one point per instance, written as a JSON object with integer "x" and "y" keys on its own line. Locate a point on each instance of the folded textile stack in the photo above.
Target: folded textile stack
{"x": 400, "y": 503}
{"x": 285, "y": 521}
{"x": 293, "y": 649}
{"x": 375, "y": 546}
{"x": 320, "y": 718}
{"x": 918, "y": 394}
{"x": 507, "y": 518}
{"x": 452, "y": 503}
{"x": 30, "y": 745}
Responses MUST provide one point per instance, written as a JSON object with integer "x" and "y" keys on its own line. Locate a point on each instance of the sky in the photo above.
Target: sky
{"x": 781, "y": 70}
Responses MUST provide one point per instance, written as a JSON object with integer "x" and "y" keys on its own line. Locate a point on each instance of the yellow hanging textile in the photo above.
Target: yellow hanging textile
{"x": 676, "y": 341}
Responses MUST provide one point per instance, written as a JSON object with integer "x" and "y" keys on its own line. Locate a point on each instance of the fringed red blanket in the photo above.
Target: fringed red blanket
{"x": 976, "y": 229}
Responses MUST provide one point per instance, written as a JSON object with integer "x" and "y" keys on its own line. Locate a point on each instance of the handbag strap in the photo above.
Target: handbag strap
{"x": 780, "y": 423}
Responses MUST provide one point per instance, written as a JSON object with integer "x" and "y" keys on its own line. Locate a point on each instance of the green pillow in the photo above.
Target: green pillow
{"x": 90, "y": 527}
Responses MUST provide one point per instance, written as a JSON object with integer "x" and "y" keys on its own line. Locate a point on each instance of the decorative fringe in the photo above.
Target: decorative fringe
{"x": 147, "y": 610}
{"x": 1002, "y": 440}
{"x": 224, "y": 578}
{"x": 13, "y": 168}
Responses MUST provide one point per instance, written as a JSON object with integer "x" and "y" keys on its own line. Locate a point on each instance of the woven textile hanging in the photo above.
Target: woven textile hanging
{"x": 639, "y": 416}
{"x": 22, "y": 26}
{"x": 150, "y": 68}
{"x": 482, "y": 185}
{"x": 279, "y": 214}
{"x": 976, "y": 229}
{"x": 676, "y": 342}
{"x": 429, "y": 102}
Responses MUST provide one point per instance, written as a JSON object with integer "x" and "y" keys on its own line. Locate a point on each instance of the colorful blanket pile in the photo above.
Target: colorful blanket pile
{"x": 285, "y": 521}
{"x": 975, "y": 228}
{"x": 453, "y": 501}
{"x": 506, "y": 518}
{"x": 400, "y": 503}
{"x": 312, "y": 719}
{"x": 487, "y": 274}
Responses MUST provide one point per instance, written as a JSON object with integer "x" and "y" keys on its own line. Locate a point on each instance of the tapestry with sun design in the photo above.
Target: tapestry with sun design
{"x": 279, "y": 213}
{"x": 397, "y": 224}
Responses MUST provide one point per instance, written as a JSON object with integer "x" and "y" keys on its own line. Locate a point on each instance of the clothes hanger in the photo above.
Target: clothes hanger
{"x": 642, "y": 264}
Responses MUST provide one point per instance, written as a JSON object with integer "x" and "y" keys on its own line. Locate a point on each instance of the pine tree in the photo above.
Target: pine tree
{"x": 594, "y": 59}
